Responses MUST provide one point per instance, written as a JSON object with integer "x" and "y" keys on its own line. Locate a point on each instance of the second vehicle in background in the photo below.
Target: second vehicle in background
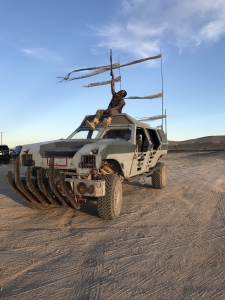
{"x": 4, "y": 154}
{"x": 15, "y": 152}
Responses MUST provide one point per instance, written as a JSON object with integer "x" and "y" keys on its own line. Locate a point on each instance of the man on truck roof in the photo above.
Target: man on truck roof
{"x": 115, "y": 106}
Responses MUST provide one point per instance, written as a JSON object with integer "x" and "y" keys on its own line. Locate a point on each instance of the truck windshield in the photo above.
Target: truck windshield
{"x": 86, "y": 134}
{"x": 124, "y": 134}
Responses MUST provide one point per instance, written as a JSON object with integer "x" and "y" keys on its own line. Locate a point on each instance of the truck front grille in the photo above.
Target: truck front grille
{"x": 88, "y": 161}
{"x": 27, "y": 160}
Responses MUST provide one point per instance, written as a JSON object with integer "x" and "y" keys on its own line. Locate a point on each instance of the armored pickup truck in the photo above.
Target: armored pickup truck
{"x": 90, "y": 165}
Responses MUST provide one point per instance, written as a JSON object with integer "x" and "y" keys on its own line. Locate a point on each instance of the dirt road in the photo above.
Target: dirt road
{"x": 167, "y": 244}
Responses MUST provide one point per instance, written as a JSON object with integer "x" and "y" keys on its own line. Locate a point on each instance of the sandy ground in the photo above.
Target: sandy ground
{"x": 167, "y": 244}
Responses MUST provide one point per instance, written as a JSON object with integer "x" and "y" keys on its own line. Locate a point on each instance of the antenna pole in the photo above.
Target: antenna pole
{"x": 111, "y": 59}
{"x": 166, "y": 122}
{"x": 119, "y": 72}
{"x": 162, "y": 84}
{"x": 1, "y": 137}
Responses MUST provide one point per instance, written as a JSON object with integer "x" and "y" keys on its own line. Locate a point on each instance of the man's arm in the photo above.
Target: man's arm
{"x": 112, "y": 83}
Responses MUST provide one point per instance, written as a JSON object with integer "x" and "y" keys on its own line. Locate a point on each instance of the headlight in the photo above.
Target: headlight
{"x": 94, "y": 150}
{"x": 82, "y": 188}
{"x": 58, "y": 185}
{"x": 26, "y": 150}
{"x": 91, "y": 189}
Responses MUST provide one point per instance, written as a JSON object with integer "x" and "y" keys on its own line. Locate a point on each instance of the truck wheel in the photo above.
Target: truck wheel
{"x": 159, "y": 176}
{"x": 109, "y": 206}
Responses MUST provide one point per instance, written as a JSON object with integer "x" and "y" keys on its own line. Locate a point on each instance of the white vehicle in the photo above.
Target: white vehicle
{"x": 91, "y": 164}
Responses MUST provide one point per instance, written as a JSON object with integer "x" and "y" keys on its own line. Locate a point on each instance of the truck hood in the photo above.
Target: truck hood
{"x": 68, "y": 148}
{"x": 64, "y": 148}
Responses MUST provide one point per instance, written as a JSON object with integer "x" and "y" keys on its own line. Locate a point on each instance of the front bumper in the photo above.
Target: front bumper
{"x": 54, "y": 189}
{"x": 87, "y": 188}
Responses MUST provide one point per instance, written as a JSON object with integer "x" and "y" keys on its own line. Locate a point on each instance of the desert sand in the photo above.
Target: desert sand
{"x": 167, "y": 244}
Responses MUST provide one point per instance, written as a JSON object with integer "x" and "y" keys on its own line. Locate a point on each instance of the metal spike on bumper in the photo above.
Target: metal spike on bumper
{"x": 52, "y": 182}
{"x": 19, "y": 184}
{"x": 67, "y": 193}
{"x": 12, "y": 185}
{"x": 33, "y": 190}
{"x": 43, "y": 188}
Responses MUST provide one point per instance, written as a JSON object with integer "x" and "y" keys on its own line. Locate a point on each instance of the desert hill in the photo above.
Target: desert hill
{"x": 205, "y": 139}
{"x": 207, "y": 143}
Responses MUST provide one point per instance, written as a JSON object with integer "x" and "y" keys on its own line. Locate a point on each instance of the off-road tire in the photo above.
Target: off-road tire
{"x": 159, "y": 176}
{"x": 109, "y": 206}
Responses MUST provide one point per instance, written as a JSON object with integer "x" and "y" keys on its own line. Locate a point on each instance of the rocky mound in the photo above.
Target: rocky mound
{"x": 207, "y": 143}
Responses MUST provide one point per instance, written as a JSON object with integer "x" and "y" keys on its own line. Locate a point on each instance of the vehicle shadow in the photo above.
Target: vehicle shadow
{"x": 143, "y": 184}
{"x": 11, "y": 195}
{"x": 90, "y": 208}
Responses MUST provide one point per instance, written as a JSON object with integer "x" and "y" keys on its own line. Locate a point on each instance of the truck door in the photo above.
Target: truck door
{"x": 140, "y": 159}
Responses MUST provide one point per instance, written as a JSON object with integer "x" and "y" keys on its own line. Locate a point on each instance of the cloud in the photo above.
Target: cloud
{"x": 41, "y": 54}
{"x": 211, "y": 31}
{"x": 142, "y": 27}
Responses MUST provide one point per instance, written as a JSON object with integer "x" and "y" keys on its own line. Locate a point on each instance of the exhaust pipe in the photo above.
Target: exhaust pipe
{"x": 41, "y": 196}
{"x": 33, "y": 190}
{"x": 12, "y": 185}
{"x": 19, "y": 184}
{"x": 51, "y": 174}
{"x": 43, "y": 188}
{"x": 67, "y": 192}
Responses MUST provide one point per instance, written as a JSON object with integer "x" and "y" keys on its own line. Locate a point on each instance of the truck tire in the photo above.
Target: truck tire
{"x": 159, "y": 176}
{"x": 109, "y": 206}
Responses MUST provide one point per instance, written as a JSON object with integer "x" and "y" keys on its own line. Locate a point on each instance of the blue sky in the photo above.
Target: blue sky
{"x": 40, "y": 40}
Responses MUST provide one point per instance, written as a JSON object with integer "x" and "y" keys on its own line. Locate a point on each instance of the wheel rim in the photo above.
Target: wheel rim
{"x": 117, "y": 200}
{"x": 164, "y": 176}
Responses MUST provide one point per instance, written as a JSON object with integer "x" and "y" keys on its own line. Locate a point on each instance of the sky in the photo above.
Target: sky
{"x": 41, "y": 40}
